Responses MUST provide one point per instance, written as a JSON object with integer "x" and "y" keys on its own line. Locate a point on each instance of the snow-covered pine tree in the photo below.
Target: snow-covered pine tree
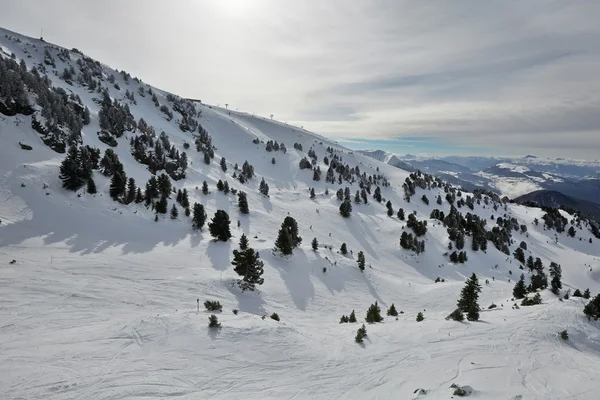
{"x": 219, "y": 226}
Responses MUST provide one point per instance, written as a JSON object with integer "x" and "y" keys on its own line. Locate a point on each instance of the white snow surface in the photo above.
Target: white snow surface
{"x": 101, "y": 301}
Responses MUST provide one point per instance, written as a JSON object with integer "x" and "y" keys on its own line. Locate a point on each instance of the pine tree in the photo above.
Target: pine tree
{"x": 312, "y": 193}
{"x": 361, "y": 261}
{"x": 469, "y": 296}
{"x": 352, "y": 317}
{"x": 204, "y": 188}
{"x": 223, "y": 164}
{"x": 219, "y": 226}
{"x": 344, "y": 249}
{"x": 284, "y": 241}
{"x": 456, "y": 315}
{"x": 401, "y": 214}
{"x": 374, "y": 314}
{"x": 220, "y": 185}
{"x": 392, "y": 311}
{"x": 185, "y": 199}
{"x": 586, "y": 294}
{"x": 359, "y": 338}
{"x": 577, "y": 293}
{"x": 520, "y": 290}
{"x": 556, "y": 274}
{"x": 91, "y": 186}
{"x": 315, "y": 244}
{"x": 161, "y": 205}
{"x": 117, "y": 185}
{"x": 213, "y": 322}
{"x": 377, "y": 194}
{"x": 243, "y": 203}
{"x": 131, "y": 191}
{"x": 138, "y": 196}
{"x": 263, "y": 187}
{"x": 420, "y": 317}
{"x": 199, "y": 217}
{"x": 247, "y": 264}
{"x": 571, "y": 231}
{"x": 346, "y": 208}
{"x": 174, "y": 212}
{"x": 70, "y": 170}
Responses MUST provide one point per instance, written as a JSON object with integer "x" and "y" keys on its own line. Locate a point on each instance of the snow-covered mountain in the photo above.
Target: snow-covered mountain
{"x": 102, "y": 297}
{"x": 512, "y": 177}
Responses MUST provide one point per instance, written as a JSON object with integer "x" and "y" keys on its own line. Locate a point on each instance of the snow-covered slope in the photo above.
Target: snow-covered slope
{"x": 101, "y": 301}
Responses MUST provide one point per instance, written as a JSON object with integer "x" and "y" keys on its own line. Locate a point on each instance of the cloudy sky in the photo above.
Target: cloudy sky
{"x": 438, "y": 77}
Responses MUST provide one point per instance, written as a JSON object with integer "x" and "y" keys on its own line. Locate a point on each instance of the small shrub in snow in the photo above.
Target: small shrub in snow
{"x": 213, "y": 322}
{"x": 392, "y": 311}
{"x": 537, "y": 299}
{"x": 25, "y": 146}
{"x": 564, "y": 335}
{"x": 213, "y": 305}
{"x": 492, "y": 306}
{"x": 235, "y": 311}
{"x": 420, "y": 317}
{"x": 275, "y": 316}
{"x": 344, "y": 319}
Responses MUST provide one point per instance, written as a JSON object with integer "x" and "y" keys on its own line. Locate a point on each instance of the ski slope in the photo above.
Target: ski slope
{"x": 101, "y": 302}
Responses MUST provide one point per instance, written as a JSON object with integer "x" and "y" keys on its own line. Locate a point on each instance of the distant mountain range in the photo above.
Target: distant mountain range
{"x": 551, "y": 198}
{"x": 512, "y": 177}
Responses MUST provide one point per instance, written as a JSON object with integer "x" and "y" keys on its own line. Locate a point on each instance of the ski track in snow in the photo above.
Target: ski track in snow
{"x": 101, "y": 303}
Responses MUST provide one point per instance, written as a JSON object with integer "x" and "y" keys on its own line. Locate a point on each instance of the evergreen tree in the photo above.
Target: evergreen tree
{"x": 359, "y": 338}
{"x": 586, "y": 294}
{"x": 220, "y": 185}
{"x": 352, "y": 317}
{"x": 243, "y": 203}
{"x": 577, "y": 293}
{"x": 377, "y": 194}
{"x": 185, "y": 199}
{"x": 312, "y": 193}
{"x": 213, "y": 322}
{"x": 219, "y": 226}
{"x": 138, "y": 196}
{"x": 206, "y": 158}
{"x": 264, "y": 187}
{"x": 91, "y": 186}
{"x": 161, "y": 205}
{"x": 315, "y": 244}
{"x": 520, "y": 290}
{"x": 225, "y": 187}
{"x": 284, "y": 242}
{"x": 556, "y": 274}
{"x": 204, "y": 188}
{"x": 420, "y": 317}
{"x": 468, "y": 298}
{"x": 287, "y": 238}
{"x": 344, "y": 249}
{"x": 243, "y": 242}
{"x": 401, "y": 214}
{"x": 164, "y": 185}
{"x": 392, "y": 312}
{"x": 131, "y": 191}
{"x": 346, "y": 208}
{"x": 223, "y": 164}
{"x": 456, "y": 315}
{"x": 199, "y": 217}
{"x": 70, "y": 170}
{"x": 247, "y": 264}
{"x": 174, "y": 212}
{"x": 374, "y": 314}
{"x": 361, "y": 261}
{"x": 117, "y": 185}
{"x": 571, "y": 231}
